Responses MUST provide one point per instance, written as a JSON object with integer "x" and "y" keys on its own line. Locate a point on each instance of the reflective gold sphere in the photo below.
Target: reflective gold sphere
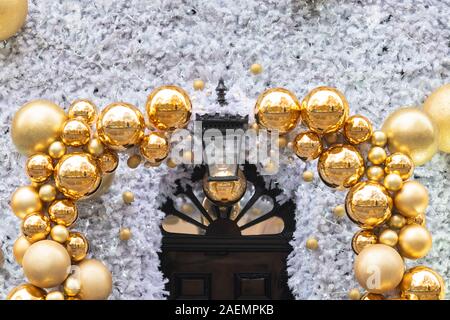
{"x": 95, "y": 147}
{"x": 412, "y": 199}
{"x": 358, "y": 129}
{"x": 108, "y": 161}
{"x": 155, "y": 147}
{"x": 63, "y": 212}
{"x": 75, "y": 132}
{"x": 375, "y": 173}
{"x": 393, "y": 182}
{"x": 39, "y": 167}
{"x": 25, "y": 200}
{"x": 225, "y": 192}
{"x": 13, "y": 14}
{"x": 83, "y": 109}
{"x": 377, "y": 155}
{"x": 307, "y": 145}
{"x": 379, "y": 139}
{"x": 95, "y": 279}
{"x": 26, "y": 292}
{"x": 77, "y": 246}
{"x": 21, "y": 245}
{"x": 57, "y": 149}
{"x": 362, "y": 239}
{"x": 35, "y": 227}
{"x": 401, "y": 164}
{"x": 168, "y": 108}
{"x": 388, "y": 237}
{"x": 59, "y": 233}
{"x": 437, "y": 106}
{"x": 424, "y": 283}
{"x": 414, "y": 241}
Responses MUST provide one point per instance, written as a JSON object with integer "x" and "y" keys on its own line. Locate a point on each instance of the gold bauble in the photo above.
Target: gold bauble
{"x": 168, "y": 108}
{"x": 379, "y": 139}
{"x": 55, "y": 295}
{"x": 128, "y": 197}
{"x": 401, "y": 164}
{"x": 437, "y": 106}
{"x": 420, "y": 220}
{"x": 77, "y": 246}
{"x": 397, "y": 221}
{"x": 393, "y": 182}
{"x": 83, "y": 109}
{"x": 414, "y": 241}
{"x": 312, "y": 244}
{"x": 354, "y": 294}
{"x": 21, "y": 245}
{"x": 63, "y": 212}
{"x": 171, "y": 163}
{"x": 362, "y": 239}
{"x": 75, "y": 132}
{"x": 339, "y": 211}
{"x": 95, "y": 279}
{"x": 424, "y": 283}
{"x": 57, "y": 149}
{"x": 412, "y": 199}
{"x": 108, "y": 161}
{"x": 277, "y": 109}
{"x": 256, "y": 68}
{"x": 134, "y": 161}
{"x": 368, "y": 204}
{"x": 225, "y": 192}
{"x": 46, "y": 264}
{"x": 36, "y": 125}
{"x": 72, "y": 285}
{"x": 47, "y": 193}
{"x": 26, "y": 292}
{"x": 125, "y": 234}
{"x": 77, "y": 175}
{"x": 372, "y": 296}
{"x": 25, "y": 200}
{"x": 341, "y": 166}
{"x": 412, "y": 132}
{"x": 375, "y": 173}
{"x": 155, "y": 147}
{"x": 39, "y": 167}
{"x": 282, "y": 142}
{"x": 388, "y": 237}
{"x": 358, "y": 129}
{"x": 379, "y": 268}
{"x": 59, "y": 233}
{"x": 95, "y": 147}
{"x": 308, "y": 176}
{"x": 36, "y": 227}
{"x": 13, "y": 14}
{"x": 120, "y": 126}
{"x": 324, "y": 110}
{"x": 307, "y": 145}
{"x": 377, "y": 155}
{"x": 198, "y": 84}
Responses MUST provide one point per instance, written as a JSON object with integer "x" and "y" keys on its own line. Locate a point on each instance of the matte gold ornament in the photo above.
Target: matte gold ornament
{"x": 362, "y": 239}
{"x": 24, "y": 201}
{"x": 21, "y": 245}
{"x": 437, "y": 106}
{"x": 13, "y": 14}
{"x": 277, "y": 109}
{"x": 125, "y": 234}
{"x": 372, "y": 296}
{"x": 423, "y": 283}
{"x": 339, "y": 211}
{"x": 225, "y": 192}
{"x": 128, "y": 197}
{"x": 354, "y": 294}
{"x": 83, "y": 109}
{"x": 168, "y": 108}
{"x": 36, "y": 227}
{"x": 59, "y": 233}
{"x": 308, "y": 176}
{"x": 377, "y": 155}
{"x": 388, "y": 237}
{"x": 375, "y": 173}
{"x": 46, "y": 264}
{"x": 57, "y": 149}
{"x": 412, "y": 199}
{"x": 379, "y": 139}
{"x": 325, "y": 110}
{"x": 379, "y": 268}
{"x": 198, "y": 84}
{"x": 108, "y": 161}
{"x": 256, "y": 68}
{"x": 77, "y": 175}
{"x": 95, "y": 147}
{"x": 95, "y": 279}
{"x": 47, "y": 193}
{"x": 120, "y": 126}
{"x": 39, "y": 167}
{"x": 72, "y": 285}
{"x": 412, "y": 132}
{"x": 397, "y": 221}
{"x": 75, "y": 132}
{"x": 55, "y": 295}
{"x": 36, "y": 125}
{"x": 307, "y": 146}
{"x": 368, "y": 204}
{"x": 414, "y": 241}
{"x": 312, "y": 244}
{"x": 63, "y": 212}
{"x": 155, "y": 147}
{"x": 358, "y": 129}
{"x": 393, "y": 182}
{"x": 77, "y": 246}
{"x": 400, "y": 164}
{"x": 341, "y": 166}
{"x": 26, "y": 292}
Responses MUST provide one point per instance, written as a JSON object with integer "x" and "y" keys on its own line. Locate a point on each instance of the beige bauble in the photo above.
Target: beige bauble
{"x": 437, "y": 106}
{"x": 13, "y": 14}
{"x": 24, "y": 201}
{"x": 21, "y": 245}
{"x": 96, "y": 280}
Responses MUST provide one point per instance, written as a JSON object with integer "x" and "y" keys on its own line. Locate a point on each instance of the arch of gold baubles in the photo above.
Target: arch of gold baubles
{"x": 71, "y": 161}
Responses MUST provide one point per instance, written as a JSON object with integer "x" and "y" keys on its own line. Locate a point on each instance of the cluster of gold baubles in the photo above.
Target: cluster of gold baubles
{"x": 389, "y": 208}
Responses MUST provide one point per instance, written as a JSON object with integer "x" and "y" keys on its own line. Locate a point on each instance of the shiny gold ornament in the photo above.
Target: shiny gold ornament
{"x": 72, "y": 285}
{"x": 134, "y": 161}
{"x": 83, "y": 109}
{"x": 312, "y": 244}
{"x": 339, "y": 211}
{"x": 77, "y": 175}
{"x": 47, "y": 193}
{"x": 256, "y": 68}
{"x": 108, "y": 161}
{"x": 75, "y": 132}
{"x": 393, "y": 182}
{"x": 388, "y": 237}
{"x": 437, "y": 106}
{"x": 155, "y": 147}
{"x": 420, "y": 220}
{"x": 325, "y": 110}
{"x": 55, "y": 295}
{"x": 379, "y": 139}
{"x": 25, "y": 200}
{"x": 63, "y": 212}
{"x": 125, "y": 234}
{"x": 379, "y": 268}
{"x": 21, "y": 245}
{"x": 95, "y": 147}
{"x": 412, "y": 199}
{"x": 397, "y": 221}
{"x": 128, "y": 197}
{"x": 168, "y": 108}
{"x": 46, "y": 264}
{"x": 120, "y": 126}
{"x": 277, "y": 109}
{"x": 308, "y": 176}
{"x": 39, "y": 167}
{"x": 377, "y": 155}
{"x": 412, "y": 132}
{"x": 368, "y": 204}
{"x": 57, "y": 149}
{"x": 198, "y": 84}
{"x": 225, "y": 192}
{"x": 354, "y": 294}
{"x": 375, "y": 173}
{"x": 36, "y": 227}
{"x": 423, "y": 283}
{"x": 59, "y": 233}
{"x": 362, "y": 239}
{"x": 307, "y": 145}
{"x": 13, "y": 14}
{"x": 372, "y": 296}
{"x": 95, "y": 279}
{"x": 77, "y": 246}
{"x": 358, "y": 129}
{"x": 400, "y": 164}
{"x": 341, "y": 166}
{"x": 26, "y": 292}
{"x": 414, "y": 241}
{"x": 36, "y": 125}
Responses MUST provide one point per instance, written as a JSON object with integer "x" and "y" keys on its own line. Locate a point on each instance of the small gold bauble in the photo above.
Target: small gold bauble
{"x": 75, "y": 132}
{"x": 414, "y": 241}
{"x": 59, "y": 233}
{"x": 21, "y": 245}
{"x": 339, "y": 211}
{"x": 95, "y": 279}
{"x": 120, "y": 126}
{"x": 277, "y": 109}
{"x": 83, "y": 109}
{"x": 55, "y": 295}
{"x": 95, "y": 147}
{"x": 168, "y": 108}
{"x": 77, "y": 175}
{"x": 134, "y": 161}
{"x": 437, "y": 106}
{"x": 400, "y": 164}
{"x": 13, "y": 14}
{"x": 325, "y": 110}
{"x": 256, "y": 68}
{"x": 47, "y": 193}
{"x": 25, "y": 200}
{"x": 125, "y": 234}
{"x": 393, "y": 182}
{"x": 35, "y": 227}
{"x": 155, "y": 147}
{"x": 36, "y": 125}
{"x": 341, "y": 166}
{"x": 170, "y": 163}
{"x": 308, "y": 176}
{"x": 419, "y": 219}
{"x": 26, "y": 292}
{"x": 72, "y": 285}
{"x": 198, "y": 84}
{"x": 225, "y": 193}
{"x": 358, "y": 129}
{"x": 379, "y": 139}
{"x": 307, "y": 145}
{"x": 108, "y": 161}
{"x": 375, "y": 173}
{"x": 362, "y": 239}
{"x": 377, "y": 155}
{"x": 372, "y": 296}
{"x": 39, "y": 167}
{"x": 388, "y": 237}
{"x": 63, "y": 212}
{"x": 368, "y": 204}
{"x": 397, "y": 221}
{"x": 57, "y": 149}
{"x": 46, "y": 264}
{"x": 128, "y": 197}
{"x": 412, "y": 132}
{"x": 412, "y": 199}
{"x": 379, "y": 268}
{"x": 424, "y": 283}
{"x": 77, "y": 246}
{"x": 312, "y": 244}
{"x": 354, "y": 294}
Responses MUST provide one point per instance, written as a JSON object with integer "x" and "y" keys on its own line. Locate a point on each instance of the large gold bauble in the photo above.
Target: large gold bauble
{"x": 36, "y": 125}
{"x": 77, "y": 246}
{"x": 368, "y": 204}
{"x": 325, "y": 110}
{"x": 77, "y": 175}
{"x": 412, "y": 199}
{"x": 39, "y": 167}
{"x": 379, "y": 268}
{"x": 168, "y": 108}
{"x": 36, "y": 227}
{"x": 46, "y": 264}
{"x": 437, "y": 106}
{"x": 13, "y": 14}
{"x": 277, "y": 109}
{"x": 25, "y": 200}
{"x": 225, "y": 192}
{"x": 341, "y": 166}
{"x": 358, "y": 129}
{"x": 21, "y": 245}
{"x": 362, "y": 239}
{"x": 26, "y": 292}
{"x": 75, "y": 132}
{"x": 63, "y": 212}
{"x": 108, "y": 161}
{"x": 424, "y": 283}
{"x": 414, "y": 241}
{"x": 307, "y": 145}
{"x": 83, "y": 109}
{"x": 95, "y": 279}
{"x": 120, "y": 126}
{"x": 155, "y": 147}
{"x": 400, "y": 164}
{"x": 413, "y": 132}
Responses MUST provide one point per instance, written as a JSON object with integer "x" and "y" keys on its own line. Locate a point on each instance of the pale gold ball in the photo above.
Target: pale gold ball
{"x": 72, "y": 285}
{"x": 375, "y": 173}
{"x": 24, "y": 201}
{"x": 437, "y": 106}
{"x": 125, "y": 234}
{"x": 95, "y": 147}
{"x": 198, "y": 84}
{"x": 397, "y": 221}
{"x": 59, "y": 233}
{"x": 170, "y": 163}
{"x": 308, "y": 176}
{"x": 95, "y": 279}
{"x": 339, "y": 211}
{"x": 57, "y": 149}
{"x": 393, "y": 182}
{"x": 354, "y": 294}
{"x": 312, "y": 244}
{"x": 21, "y": 245}
{"x": 128, "y": 197}
{"x": 55, "y": 295}
{"x": 412, "y": 199}
{"x": 13, "y": 14}
{"x": 256, "y": 68}
{"x": 379, "y": 139}
{"x": 388, "y": 237}
{"x": 377, "y": 155}
{"x": 47, "y": 192}
{"x": 134, "y": 161}
{"x": 414, "y": 241}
